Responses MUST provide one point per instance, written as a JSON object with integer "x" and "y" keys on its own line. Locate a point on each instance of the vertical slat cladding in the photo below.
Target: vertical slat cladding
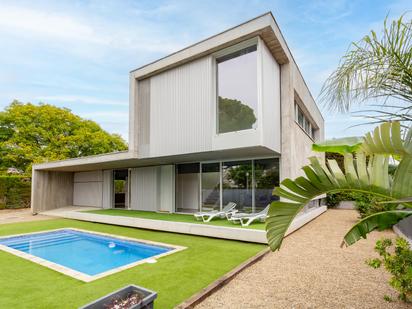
{"x": 181, "y": 103}
{"x": 146, "y": 189}
{"x": 271, "y": 100}
{"x": 143, "y": 115}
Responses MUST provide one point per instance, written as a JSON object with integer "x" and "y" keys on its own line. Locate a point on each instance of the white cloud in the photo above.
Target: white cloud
{"x": 30, "y": 21}
{"x": 91, "y": 35}
{"x": 82, "y": 100}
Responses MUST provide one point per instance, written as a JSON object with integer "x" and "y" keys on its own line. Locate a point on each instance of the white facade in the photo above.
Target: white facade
{"x": 175, "y": 138}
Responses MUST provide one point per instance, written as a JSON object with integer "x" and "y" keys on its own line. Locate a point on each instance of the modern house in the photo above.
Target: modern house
{"x": 222, "y": 120}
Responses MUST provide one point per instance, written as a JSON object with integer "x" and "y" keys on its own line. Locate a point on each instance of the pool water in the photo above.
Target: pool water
{"x": 84, "y": 252}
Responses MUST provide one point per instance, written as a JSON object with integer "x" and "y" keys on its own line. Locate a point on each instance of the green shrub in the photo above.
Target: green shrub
{"x": 398, "y": 264}
{"x": 365, "y": 204}
{"x": 371, "y": 205}
{"x": 15, "y": 191}
{"x": 333, "y": 199}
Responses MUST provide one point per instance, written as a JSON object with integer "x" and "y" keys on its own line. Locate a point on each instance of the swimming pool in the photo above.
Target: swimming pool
{"x": 83, "y": 254}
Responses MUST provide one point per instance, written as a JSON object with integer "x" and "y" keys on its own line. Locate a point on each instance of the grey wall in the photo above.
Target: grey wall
{"x": 152, "y": 188}
{"x": 51, "y": 190}
{"x": 88, "y": 189}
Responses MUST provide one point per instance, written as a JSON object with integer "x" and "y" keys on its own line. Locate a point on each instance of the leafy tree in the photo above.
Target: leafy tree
{"x": 378, "y": 66}
{"x": 38, "y": 133}
{"x": 234, "y": 115}
{"x": 369, "y": 178}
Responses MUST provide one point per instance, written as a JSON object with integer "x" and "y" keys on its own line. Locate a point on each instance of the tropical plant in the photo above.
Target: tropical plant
{"x": 369, "y": 177}
{"x": 398, "y": 263}
{"x": 378, "y": 66}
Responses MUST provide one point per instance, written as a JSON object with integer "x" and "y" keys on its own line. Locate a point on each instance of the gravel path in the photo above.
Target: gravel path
{"x": 312, "y": 271}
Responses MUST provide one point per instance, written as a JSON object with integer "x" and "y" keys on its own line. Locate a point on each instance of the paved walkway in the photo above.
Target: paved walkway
{"x": 19, "y": 215}
{"x": 312, "y": 271}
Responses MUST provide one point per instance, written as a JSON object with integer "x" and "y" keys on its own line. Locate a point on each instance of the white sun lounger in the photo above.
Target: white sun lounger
{"x": 209, "y": 215}
{"x": 246, "y": 219}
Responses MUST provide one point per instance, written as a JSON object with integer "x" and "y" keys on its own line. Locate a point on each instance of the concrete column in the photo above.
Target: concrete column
{"x": 287, "y": 120}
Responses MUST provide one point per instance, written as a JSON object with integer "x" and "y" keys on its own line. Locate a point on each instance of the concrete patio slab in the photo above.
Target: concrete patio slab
{"x": 235, "y": 233}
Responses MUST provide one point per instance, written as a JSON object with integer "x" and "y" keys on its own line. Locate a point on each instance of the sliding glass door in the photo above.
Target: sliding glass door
{"x": 210, "y": 186}
{"x": 121, "y": 188}
{"x": 266, "y": 178}
{"x": 237, "y": 185}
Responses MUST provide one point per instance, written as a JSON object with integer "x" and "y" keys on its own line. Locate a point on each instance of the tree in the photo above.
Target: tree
{"x": 376, "y": 67}
{"x": 234, "y": 115}
{"x": 38, "y": 133}
{"x": 371, "y": 178}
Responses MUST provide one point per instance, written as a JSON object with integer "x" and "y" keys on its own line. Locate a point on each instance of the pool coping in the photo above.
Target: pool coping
{"x": 82, "y": 276}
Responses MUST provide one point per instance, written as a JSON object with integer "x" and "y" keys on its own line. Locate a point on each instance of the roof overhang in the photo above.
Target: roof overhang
{"x": 129, "y": 160}
{"x": 264, "y": 26}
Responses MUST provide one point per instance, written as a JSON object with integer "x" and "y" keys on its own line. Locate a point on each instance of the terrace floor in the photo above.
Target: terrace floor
{"x": 178, "y": 223}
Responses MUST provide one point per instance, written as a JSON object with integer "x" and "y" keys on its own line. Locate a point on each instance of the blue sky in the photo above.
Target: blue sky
{"x": 77, "y": 54}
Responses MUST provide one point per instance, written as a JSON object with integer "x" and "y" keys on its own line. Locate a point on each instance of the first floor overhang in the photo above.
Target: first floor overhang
{"x": 130, "y": 159}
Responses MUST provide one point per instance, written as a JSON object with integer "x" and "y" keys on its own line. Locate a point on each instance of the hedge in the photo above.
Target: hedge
{"x": 15, "y": 191}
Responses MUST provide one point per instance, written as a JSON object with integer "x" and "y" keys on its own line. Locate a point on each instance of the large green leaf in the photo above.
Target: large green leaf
{"x": 339, "y": 145}
{"x": 386, "y": 139}
{"x": 379, "y": 221}
{"x": 372, "y": 178}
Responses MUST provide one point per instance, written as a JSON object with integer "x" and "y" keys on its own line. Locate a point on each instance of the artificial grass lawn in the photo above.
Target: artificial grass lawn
{"x": 172, "y": 217}
{"x": 175, "y": 277}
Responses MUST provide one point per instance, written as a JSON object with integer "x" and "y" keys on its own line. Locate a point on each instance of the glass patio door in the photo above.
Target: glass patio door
{"x": 121, "y": 188}
{"x": 210, "y": 186}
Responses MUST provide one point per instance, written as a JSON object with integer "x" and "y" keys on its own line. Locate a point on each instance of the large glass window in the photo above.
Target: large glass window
{"x": 237, "y": 90}
{"x": 237, "y": 184}
{"x": 266, "y": 178}
{"x": 210, "y": 186}
{"x": 248, "y": 183}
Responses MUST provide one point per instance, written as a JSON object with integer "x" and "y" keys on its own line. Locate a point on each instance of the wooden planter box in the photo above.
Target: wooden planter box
{"x": 146, "y": 303}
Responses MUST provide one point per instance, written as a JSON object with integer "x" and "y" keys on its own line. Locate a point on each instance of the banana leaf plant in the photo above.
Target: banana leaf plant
{"x": 365, "y": 172}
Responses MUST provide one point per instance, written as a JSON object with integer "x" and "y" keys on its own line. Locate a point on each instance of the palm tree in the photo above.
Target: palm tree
{"x": 373, "y": 68}
{"x": 367, "y": 172}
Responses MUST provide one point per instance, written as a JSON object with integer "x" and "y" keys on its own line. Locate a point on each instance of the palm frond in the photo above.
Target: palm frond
{"x": 371, "y": 177}
{"x": 339, "y": 145}
{"x": 375, "y": 67}
{"x": 379, "y": 221}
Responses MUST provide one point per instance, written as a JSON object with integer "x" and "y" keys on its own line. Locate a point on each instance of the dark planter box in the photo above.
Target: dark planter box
{"x": 147, "y": 303}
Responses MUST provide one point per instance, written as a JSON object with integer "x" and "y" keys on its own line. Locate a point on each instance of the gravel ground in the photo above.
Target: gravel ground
{"x": 19, "y": 215}
{"x": 312, "y": 271}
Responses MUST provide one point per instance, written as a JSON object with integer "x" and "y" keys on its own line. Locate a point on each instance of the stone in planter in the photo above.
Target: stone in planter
{"x": 346, "y": 205}
{"x": 146, "y": 303}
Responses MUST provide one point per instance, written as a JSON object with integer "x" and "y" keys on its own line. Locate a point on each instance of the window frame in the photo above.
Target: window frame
{"x": 225, "y": 52}
{"x": 307, "y": 125}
